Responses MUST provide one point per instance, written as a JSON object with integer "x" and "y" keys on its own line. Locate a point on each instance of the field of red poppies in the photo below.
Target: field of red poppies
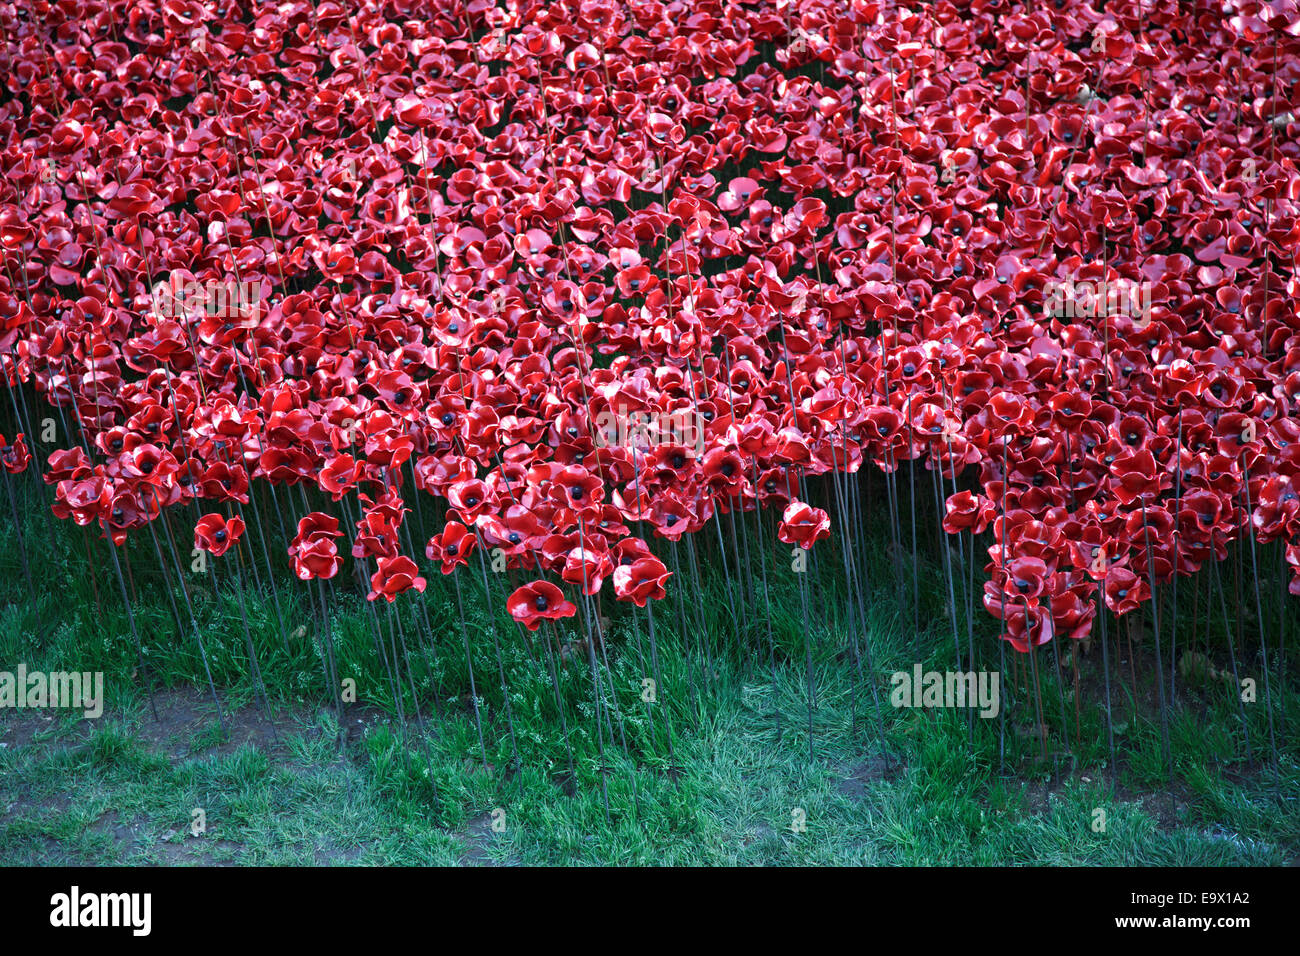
{"x": 586, "y": 279}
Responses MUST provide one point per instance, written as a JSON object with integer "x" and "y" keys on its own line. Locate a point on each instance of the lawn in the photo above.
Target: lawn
{"x": 717, "y": 769}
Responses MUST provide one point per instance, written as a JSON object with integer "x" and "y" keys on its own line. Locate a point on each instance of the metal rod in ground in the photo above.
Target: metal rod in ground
{"x": 1232, "y": 657}
{"x": 559, "y": 700}
{"x": 22, "y": 550}
{"x": 1105, "y": 666}
{"x": 690, "y": 648}
{"x": 469, "y": 663}
{"x": 1259, "y": 613}
{"x": 203, "y": 651}
{"x": 145, "y": 674}
{"x": 767, "y": 596}
{"x": 1160, "y": 657}
{"x": 600, "y": 730}
{"x": 259, "y": 685}
{"x": 659, "y": 685}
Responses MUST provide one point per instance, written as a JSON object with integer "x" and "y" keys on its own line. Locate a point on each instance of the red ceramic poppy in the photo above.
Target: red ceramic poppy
{"x": 393, "y": 576}
{"x": 312, "y": 550}
{"x": 216, "y": 534}
{"x": 1096, "y": 350}
{"x": 451, "y": 547}
{"x": 14, "y": 456}
{"x": 803, "y": 525}
{"x": 642, "y": 580}
{"x": 539, "y": 601}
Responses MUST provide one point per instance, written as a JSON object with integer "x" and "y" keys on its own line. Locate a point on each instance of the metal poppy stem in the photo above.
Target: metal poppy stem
{"x": 611, "y": 692}
{"x": 501, "y": 673}
{"x": 22, "y": 549}
{"x": 1178, "y": 501}
{"x": 891, "y": 496}
{"x": 203, "y": 651}
{"x": 559, "y": 702}
{"x": 259, "y": 684}
{"x": 597, "y": 697}
{"x": 1038, "y": 689}
{"x": 1155, "y": 624}
{"x": 587, "y": 619}
{"x": 1259, "y": 610}
{"x": 1060, "y": 685}
{"x": 911, "y": 499}
{"x": 392, "y": 668}
{"x": 145, "y": 673}
{"x": 469, "y": 665}
{"x": 699, "y": 611}
{"x": 1105, "y": 666}
{"x": 1232, "y": 657}
{"x": 690, "y": 647}
{"x": 396, "y": 618}
{"x": 947, "y": 562}
{"x": 767, "y": 596}
{"x": 857, "y": 621}
{"x": 654, "y": 663}
{"x": 425, "y": 634}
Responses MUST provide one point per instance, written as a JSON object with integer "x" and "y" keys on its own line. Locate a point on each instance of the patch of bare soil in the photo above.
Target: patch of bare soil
{"x": 477, "y": 835}
{"x": 185, "y": 727}
{"x": 20, "y": 728}
{"x": 858, "y": 779}
{"x": 1167, "y": 807}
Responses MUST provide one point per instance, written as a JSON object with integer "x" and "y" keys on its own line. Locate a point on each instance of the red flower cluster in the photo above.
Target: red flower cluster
{"x": 449, "y": 244}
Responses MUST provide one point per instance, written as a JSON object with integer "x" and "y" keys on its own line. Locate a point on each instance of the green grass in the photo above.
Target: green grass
{"x": 728, "y": 785}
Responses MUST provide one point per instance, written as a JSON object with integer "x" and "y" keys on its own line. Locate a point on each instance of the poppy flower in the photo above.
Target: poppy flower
{"x": 14, "y": 456}
{"x": 1124, "y": 590}
{"x": 1097, "y": 345}
{"x": 539, "y": 601}
{"x": 641, "y": 580}
{"x": 803, "y": 525}
{"x": 451, "y": 547}
{"x": 312, "y": 550}
{"x": 215, "y": 533}
{"x": 587, "y": 569}
{"x": 393, "y": 576}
